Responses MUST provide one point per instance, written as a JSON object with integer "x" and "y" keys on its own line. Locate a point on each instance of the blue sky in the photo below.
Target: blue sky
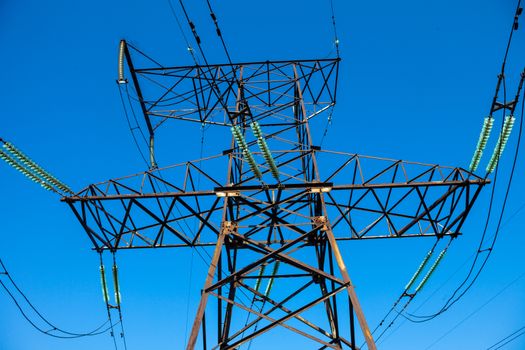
{"x": 416, "y": 80}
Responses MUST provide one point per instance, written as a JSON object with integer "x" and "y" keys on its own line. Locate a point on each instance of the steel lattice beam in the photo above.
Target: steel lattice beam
{"x": 439, "y": 199}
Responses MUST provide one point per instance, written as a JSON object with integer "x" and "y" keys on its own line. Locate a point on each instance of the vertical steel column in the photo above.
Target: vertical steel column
{"x": 350, "y": 288}
{"x": 209, "y": 279}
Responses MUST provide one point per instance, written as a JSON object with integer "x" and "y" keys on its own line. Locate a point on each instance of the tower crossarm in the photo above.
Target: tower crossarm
{"x": 366, "y": 198}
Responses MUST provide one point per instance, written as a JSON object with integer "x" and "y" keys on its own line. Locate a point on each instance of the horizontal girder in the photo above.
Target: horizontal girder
{"x": 366, "y": 198}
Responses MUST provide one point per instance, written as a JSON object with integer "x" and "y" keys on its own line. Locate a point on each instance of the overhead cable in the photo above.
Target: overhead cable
{"x": 461, "y": 290}
{"x": 218, "y": 31}
{"x": 457, "y": 295}
{"x": 496, "y": 105}
{"x": 509, "y": 338}
{"x": 188, "y": 45}
{"x": 484, "y": 304}
{"x": 54, "y": 331}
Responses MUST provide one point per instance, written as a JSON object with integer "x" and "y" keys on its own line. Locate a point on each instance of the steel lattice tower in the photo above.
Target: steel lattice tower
{"x": 274, "y": 206}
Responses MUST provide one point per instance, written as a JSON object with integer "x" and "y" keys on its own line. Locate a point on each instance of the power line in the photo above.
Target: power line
{"x": 131, "y": 128}
{"x": 193, "y": 31}
{"x": 67, "y": 334}
{"x": 451, "y": 301}
{"x": 507, "y": 286}
{"x": 430, "y": 296}
{"x": 49, "y": 332}
{"x": 179, "y": 25}
{"x": 406, "y": 293}
{"x": 327, "y": 125}
{"x": 509, "y": 219}
{"x": 218, "y": 31}
{"x": 514, "y": 27}
{"x": 509, "y": 338}
{"x": 336, "y": 43}
{"x": 336, "y": 38}
{"x": 501, "y": 77}
{"x": 214, "y": 86}
{"x": 494, "y": 106}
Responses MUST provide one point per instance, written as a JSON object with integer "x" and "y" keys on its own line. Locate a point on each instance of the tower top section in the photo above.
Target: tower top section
{"x": 268, "y": 92}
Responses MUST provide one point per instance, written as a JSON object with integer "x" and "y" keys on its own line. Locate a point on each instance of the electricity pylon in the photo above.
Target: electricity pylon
{"x": 274, "y": 206}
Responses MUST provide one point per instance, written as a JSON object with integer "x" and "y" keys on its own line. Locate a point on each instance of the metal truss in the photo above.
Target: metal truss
{"x": 381, "y": 198}
{"x": 276, "y": 263}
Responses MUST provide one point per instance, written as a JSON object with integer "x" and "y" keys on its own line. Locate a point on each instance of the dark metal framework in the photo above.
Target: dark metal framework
{"x": 281, "y": 236}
